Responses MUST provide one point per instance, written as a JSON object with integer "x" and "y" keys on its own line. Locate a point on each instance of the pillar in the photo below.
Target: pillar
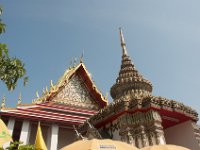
{"x": 54, "y": 137}
{"x": 24, "y": 137}
{"x": 11, "y": 123}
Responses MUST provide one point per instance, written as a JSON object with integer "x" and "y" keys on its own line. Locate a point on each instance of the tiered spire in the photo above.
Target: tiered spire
{"x": 129, "y": 82}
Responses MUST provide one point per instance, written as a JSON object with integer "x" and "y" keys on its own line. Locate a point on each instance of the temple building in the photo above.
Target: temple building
{"x": 69, "y": 103}
{"x": 74, "y": 108}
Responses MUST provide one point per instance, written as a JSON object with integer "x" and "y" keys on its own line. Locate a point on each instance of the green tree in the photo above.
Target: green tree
{"x": 11, "y": 68}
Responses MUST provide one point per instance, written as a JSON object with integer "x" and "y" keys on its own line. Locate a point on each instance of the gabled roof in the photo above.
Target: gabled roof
{"x": 80, "y": 70}
{"x": 49, "y": 112}
{"x": 48, "y": 108}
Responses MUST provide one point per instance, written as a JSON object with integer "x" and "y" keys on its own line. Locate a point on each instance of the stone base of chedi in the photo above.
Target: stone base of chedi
{"x": 141, "y": 119}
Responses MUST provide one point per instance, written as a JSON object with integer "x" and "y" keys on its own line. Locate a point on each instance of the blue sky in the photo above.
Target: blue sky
{"x": 163, "y": 40}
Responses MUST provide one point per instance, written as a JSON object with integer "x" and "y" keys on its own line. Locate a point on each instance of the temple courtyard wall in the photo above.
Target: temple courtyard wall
{"x": 182, "y": 134}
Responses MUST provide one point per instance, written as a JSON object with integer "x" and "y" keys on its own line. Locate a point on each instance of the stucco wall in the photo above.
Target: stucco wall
{"x": 183, "y": 135}
{"x": 33, "y": 130}
{"x": 65, "y": 137}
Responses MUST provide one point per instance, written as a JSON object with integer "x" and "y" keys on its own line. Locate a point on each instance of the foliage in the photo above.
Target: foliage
{"x": 14, "y": 145}
{"x": 11, "y": 68}
{"x": 26, "y": 147}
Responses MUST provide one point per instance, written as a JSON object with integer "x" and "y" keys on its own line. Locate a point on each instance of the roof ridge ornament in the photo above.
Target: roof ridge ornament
{"x": 3, "y": 102}
{"x": 74, "y": 62}
{"x": 51, "y": 84}
{"x": 37, "y": 94}
{"x": 82, "y": 55}
{"x": 19, "y": 102}
{"x": 123, "y": 43}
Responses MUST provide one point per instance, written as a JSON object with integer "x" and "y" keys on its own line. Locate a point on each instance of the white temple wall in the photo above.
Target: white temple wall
{"x": 60, "y": 136}
{"x": 33, "y": 131}
{"x": 183, "y": 135}
{"x": 65, "y": 137}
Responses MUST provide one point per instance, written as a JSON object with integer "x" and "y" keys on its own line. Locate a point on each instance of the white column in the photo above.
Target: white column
{"x": 54, "y": 137}
{"x": 24, "y": 137}
{"x": 11, "y": 123}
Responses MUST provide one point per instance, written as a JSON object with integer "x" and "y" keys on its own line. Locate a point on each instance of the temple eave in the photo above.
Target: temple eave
{"x": 168, "y": 113}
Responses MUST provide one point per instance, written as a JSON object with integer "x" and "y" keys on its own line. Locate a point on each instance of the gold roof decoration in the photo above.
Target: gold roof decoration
{"x": 37, "y": 94}
{"x": 82, "y": 55}
{"x": 54, "y": 89}
{"x": 19, "y": 102}
{"x": 130, "y": 81}
{"x": 3, "y": 102}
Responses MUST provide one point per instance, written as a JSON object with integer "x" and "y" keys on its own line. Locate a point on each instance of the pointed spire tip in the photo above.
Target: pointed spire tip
{"x": 82, "y": 55}
{"x": 123, "y": 44}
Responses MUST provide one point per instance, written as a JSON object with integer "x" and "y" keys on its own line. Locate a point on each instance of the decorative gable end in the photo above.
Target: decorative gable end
{"x": 75, "y": 92}
{"x": 75, "y": 89}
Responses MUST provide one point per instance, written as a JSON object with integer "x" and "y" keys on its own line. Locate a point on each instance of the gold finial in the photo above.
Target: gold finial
{"x": 75, "y": 61}
{"x": 47, "y": 89}
{"x": 52, "y": 87}
{"x": 82, "y": 55}
{"x": 3, "y": 103}
{"x": 37, "y": 94}
{"x": 51, "y": 84}
{"x": 19, "y": 102}
{"x": 43, "y": 91}
{"x": 123, "y": 44}
{"x": 71, "y": 63}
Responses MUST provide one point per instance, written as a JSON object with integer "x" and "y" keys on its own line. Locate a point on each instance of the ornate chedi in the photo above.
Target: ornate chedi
{"x": 135, "y": 115}
{"x": 130, "y": 82}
